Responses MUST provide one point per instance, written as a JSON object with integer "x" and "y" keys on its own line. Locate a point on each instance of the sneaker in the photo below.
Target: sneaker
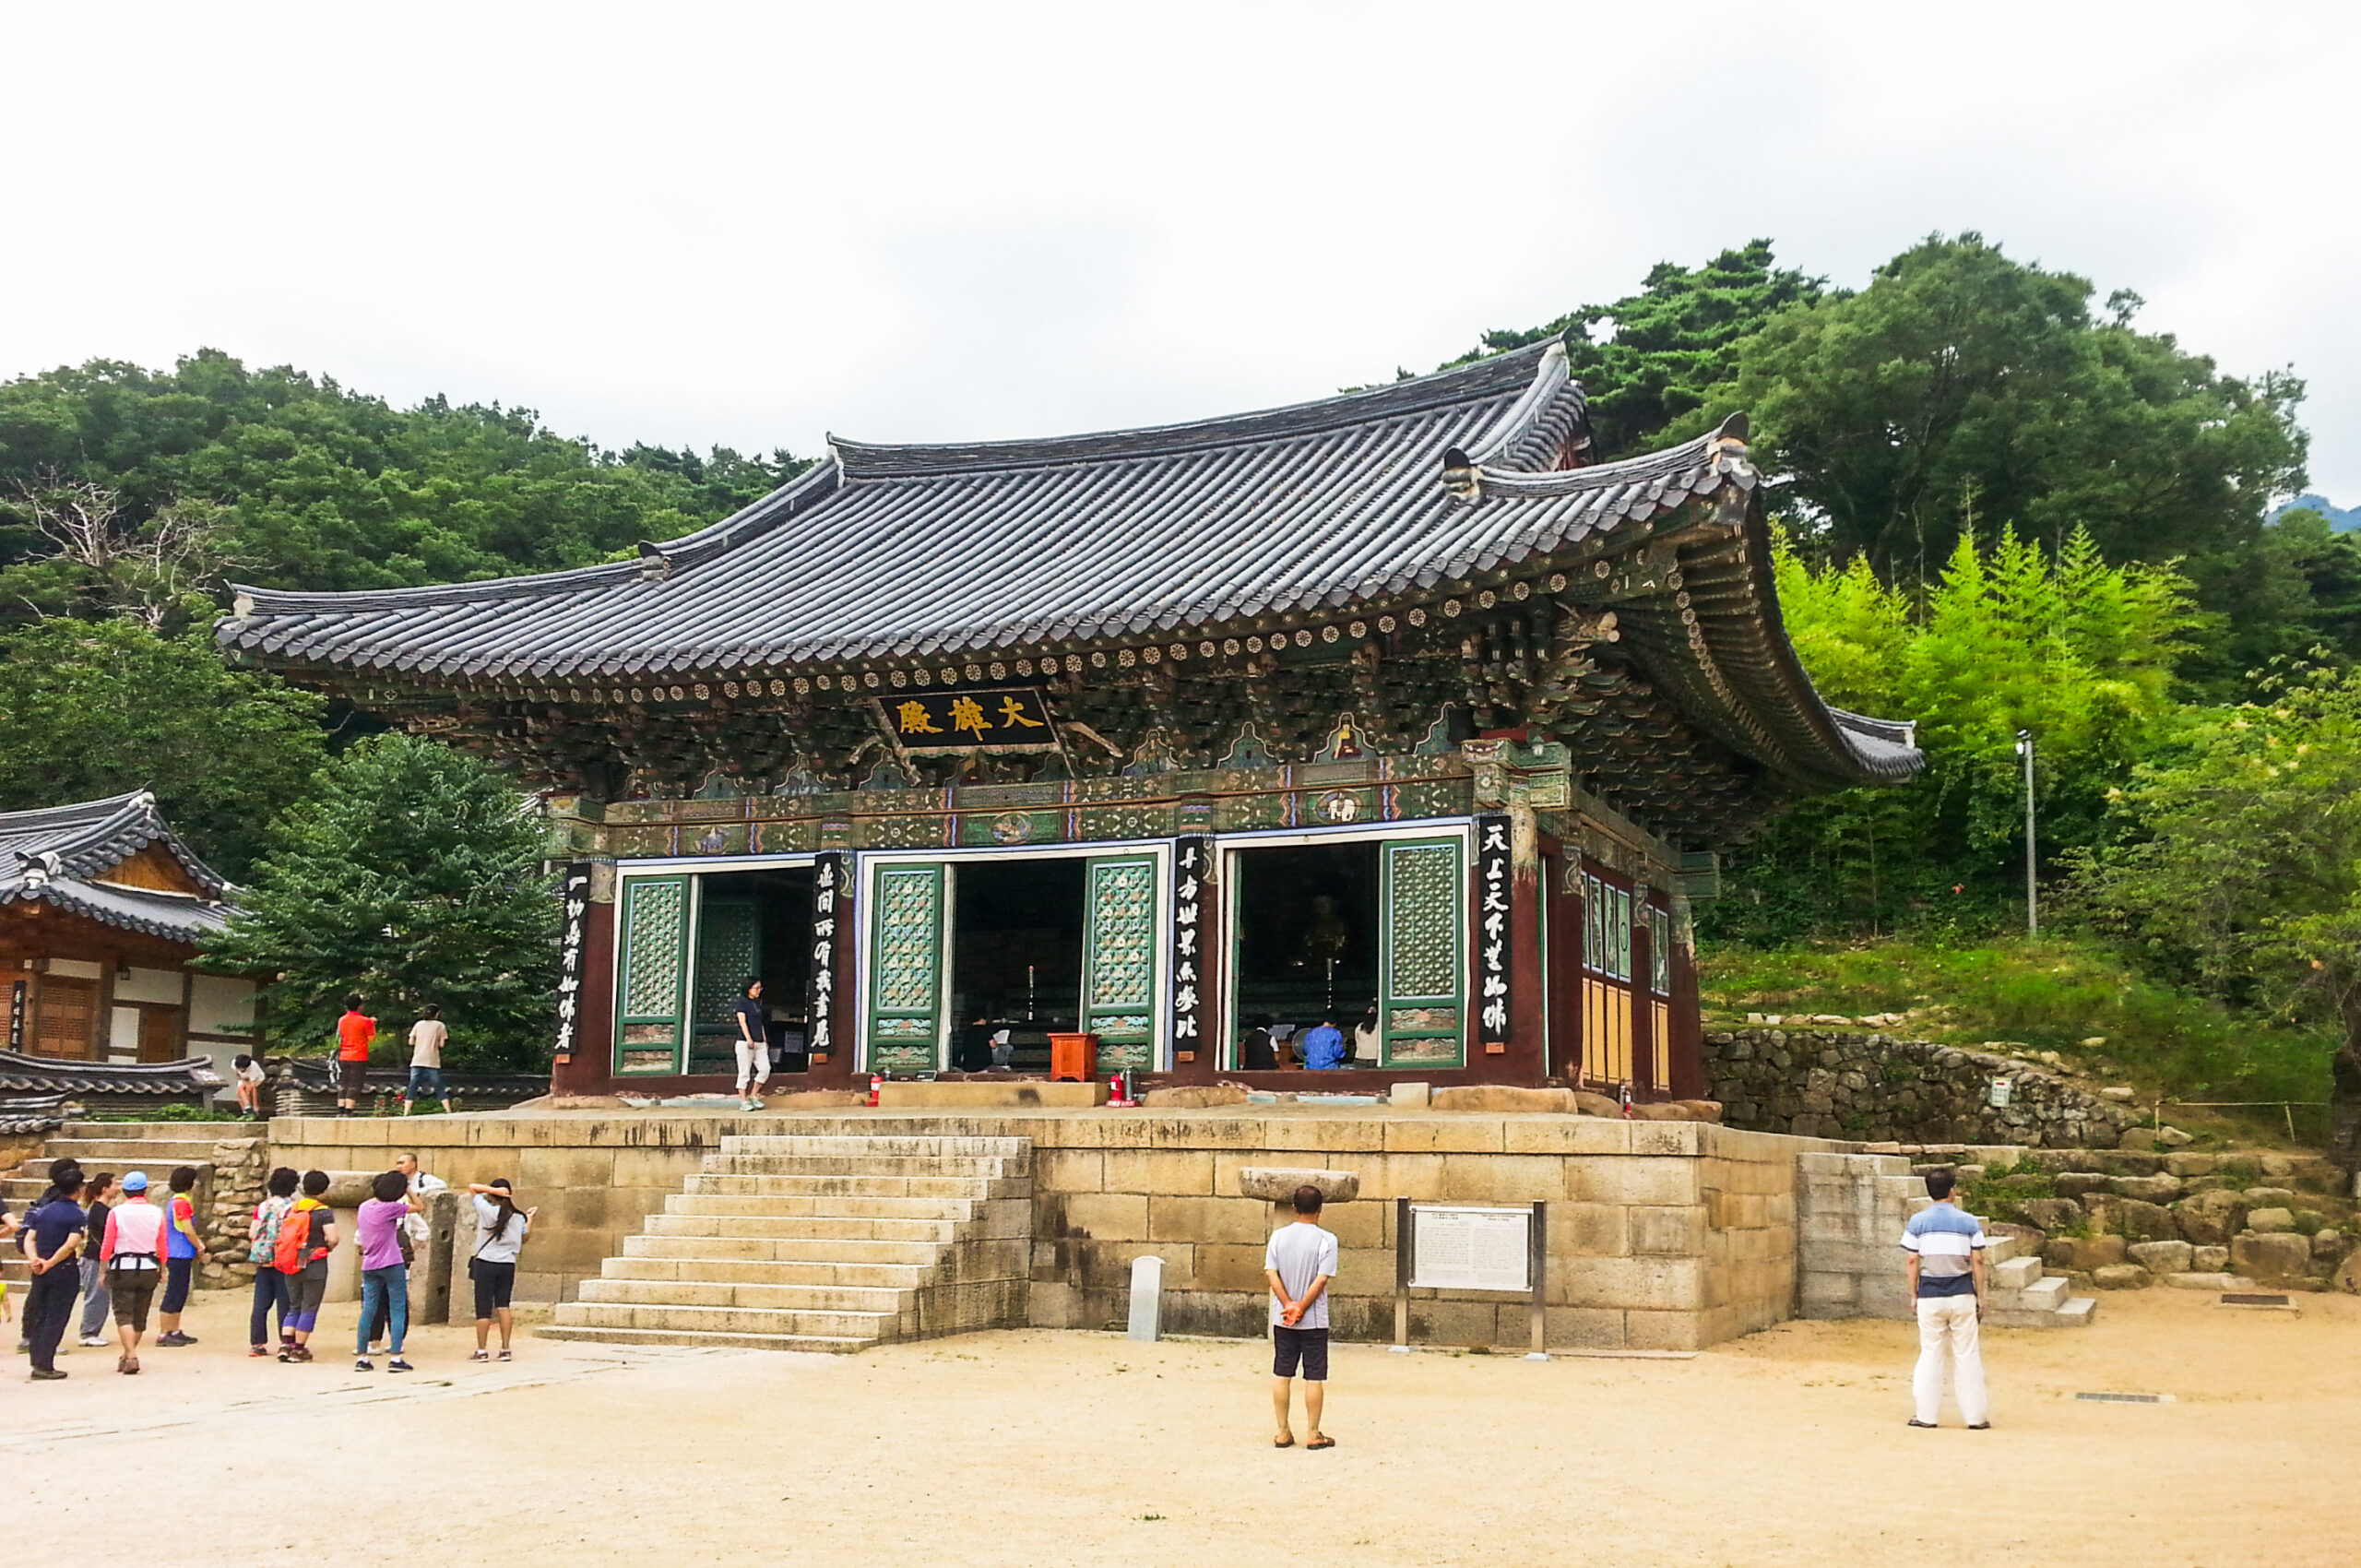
{"x": 505, "y": 1356}
{"x": 52, "y": 1375}
{"x": 364, "y": 1364}
{"x": 259, "y": 1350}
{"x": 175, "y": 1340}
{"x": 93, "y": 1341}
{"x": 397, "y": 1364}
{"x": 376, "y": 1349}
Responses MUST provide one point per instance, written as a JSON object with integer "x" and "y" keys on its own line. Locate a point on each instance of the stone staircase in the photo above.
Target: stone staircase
{"x": 823, "y": 1243}
{"x": 1850, "y": 1209}
{"x": 156, "y": 1148}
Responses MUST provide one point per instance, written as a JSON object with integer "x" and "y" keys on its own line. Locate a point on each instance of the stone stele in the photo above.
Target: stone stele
{"x": 1278, "y": 1183}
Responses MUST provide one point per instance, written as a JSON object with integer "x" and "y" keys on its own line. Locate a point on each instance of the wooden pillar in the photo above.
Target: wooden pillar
{"x": 1688, "y": 1029}
{"x": 1563, "y": 962}
{"x": 1525, "y": 1059}
{"x": 1643, "y": 1013}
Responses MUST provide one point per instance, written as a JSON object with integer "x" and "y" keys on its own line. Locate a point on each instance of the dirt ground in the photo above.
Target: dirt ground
{"x": 1030, "y": 1448}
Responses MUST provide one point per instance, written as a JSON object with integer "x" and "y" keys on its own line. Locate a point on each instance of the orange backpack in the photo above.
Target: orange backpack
{"x": 295, "y": 1236}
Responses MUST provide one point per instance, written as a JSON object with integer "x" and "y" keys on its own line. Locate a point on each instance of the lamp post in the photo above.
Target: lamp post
{"x": 2033, "y": 908}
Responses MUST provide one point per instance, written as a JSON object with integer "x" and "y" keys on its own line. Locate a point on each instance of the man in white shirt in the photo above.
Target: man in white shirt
{"x": 427, "y": 1038}
{"x": 1299, "y": 1263}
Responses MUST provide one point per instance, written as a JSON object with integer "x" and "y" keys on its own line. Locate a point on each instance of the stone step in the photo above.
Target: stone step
{"x": 737, "y": 1249}
{"x": 886, "y": 1275}
{"x": 824, "y": 1344}
{"x": 803, "y": 1227}
{"x": 719, "y": 1293}
{"x": 163, "y": 1131}
{"x": 884, "y": 1146}
{"x": 2045, "y": 1295}
{"x": 832, "y": 1207}
{"x": 115, "y": 1152}
{"x": 727, "y": 1185}
{"x": 729, "y": 1320}
{"x": 860, "y": 1165}
{"x": 2016, "y": 1274}
{"x": 856, "y": 1186}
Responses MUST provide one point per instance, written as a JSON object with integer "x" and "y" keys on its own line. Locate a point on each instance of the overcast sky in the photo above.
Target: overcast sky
{"x": 753, "y": 225}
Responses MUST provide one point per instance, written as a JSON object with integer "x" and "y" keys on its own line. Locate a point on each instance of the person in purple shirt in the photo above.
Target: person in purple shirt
{"x": 384, "y": 1278}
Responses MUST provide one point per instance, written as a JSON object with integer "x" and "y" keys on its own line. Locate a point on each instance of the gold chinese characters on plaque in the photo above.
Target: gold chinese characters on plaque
{"x": 1008, "y": 719}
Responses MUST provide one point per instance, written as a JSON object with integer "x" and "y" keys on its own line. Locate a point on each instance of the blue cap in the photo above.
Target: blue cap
{"x": 136, "y": 1182}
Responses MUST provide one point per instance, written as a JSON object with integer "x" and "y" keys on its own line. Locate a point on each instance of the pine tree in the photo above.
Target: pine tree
{"x": 413, "y": 878}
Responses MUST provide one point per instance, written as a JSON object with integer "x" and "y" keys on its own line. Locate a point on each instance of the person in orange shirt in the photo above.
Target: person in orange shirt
{"x": 354, "y": 1032}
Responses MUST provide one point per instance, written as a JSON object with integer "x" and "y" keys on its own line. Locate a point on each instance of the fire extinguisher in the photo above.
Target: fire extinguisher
{"x": 1119, "y": 1085}
{"x": 1626, "y": 1096}
{"x": 876, "y": 1082}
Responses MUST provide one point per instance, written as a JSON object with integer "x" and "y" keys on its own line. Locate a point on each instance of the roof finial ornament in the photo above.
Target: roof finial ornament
{"x": 654, "y": 564}
{"x": 1461, "y": 477}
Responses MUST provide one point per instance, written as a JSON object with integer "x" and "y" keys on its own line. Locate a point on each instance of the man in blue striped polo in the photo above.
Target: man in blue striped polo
{"x": 1944, "y": 1259}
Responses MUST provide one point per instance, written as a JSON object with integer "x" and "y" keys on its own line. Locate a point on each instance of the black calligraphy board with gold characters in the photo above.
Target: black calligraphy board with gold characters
{"x": 1007, "y": 719}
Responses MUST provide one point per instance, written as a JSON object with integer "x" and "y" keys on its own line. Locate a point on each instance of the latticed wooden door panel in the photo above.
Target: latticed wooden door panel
{"x": 905, "y": 968}
{"x": 729, "y": 953}
{"x": 1119, "y": 961}
{"x": 1424, "y": 964}
{"x": 652, "y": 975}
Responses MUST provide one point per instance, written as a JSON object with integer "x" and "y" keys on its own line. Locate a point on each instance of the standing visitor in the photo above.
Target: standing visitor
{"x": 753, "y": 1046}
{"x": 1944, "y": 1264}
{"x": 384, "y": 1273}
{"x": 95, "y": 1300}
{"x": 1366, "y": 1038}
{"x": 500, "y": 1232}
{"x": 184, "y": 1251}
{"x": 1255, "y": 1053}
{"x": 426, "y": 1038}
{"x": 355, "y": 1032}
{"x": 50, "y": 1238}
{"x": 249, "y": 1076}
{"x": 1299, "y": 1263}
{"x": 134, "y": 1254}
{"x": 306, "y": 1237}
{"x": 1323, "y": 1047}
{"x": 272, "y": 1287}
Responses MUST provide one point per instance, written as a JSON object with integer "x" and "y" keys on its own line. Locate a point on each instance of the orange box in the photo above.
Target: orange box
{"x": 1074, "y": 1058}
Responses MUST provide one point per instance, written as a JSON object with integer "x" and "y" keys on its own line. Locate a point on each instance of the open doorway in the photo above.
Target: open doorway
{"x": 1016, "y": 948}
{"x": 1307, "y": 938}
{"x": 752, "y": 925}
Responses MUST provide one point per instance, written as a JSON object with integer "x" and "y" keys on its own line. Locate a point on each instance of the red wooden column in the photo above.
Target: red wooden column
{"x": 1643, "y": 1014}
{"x": 1563, "y": 961}
{"x": 1687, "y": 1028}
{"x": 590, "y": 1067}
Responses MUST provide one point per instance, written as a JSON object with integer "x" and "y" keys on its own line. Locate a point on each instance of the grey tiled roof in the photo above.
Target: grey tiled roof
{"x": 46, "y": 1074}
{"x": 889, "y": 552}
{"x": 54, "y": 854}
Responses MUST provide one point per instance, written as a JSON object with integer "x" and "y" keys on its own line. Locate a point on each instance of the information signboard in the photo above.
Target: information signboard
{"x": 1471, "y": 1249}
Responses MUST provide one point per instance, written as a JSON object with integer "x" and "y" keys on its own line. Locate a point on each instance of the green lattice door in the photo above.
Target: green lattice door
{"x": 906, "y": 968}
{"x": 729, "y": 953}
{"x": 1423, "y": 967}
{"x": 652, "y": 975}
{"x": 1119, "y": 961}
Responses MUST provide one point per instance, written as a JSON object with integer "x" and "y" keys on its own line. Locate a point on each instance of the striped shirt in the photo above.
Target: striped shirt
{"x": 1946, "y": 1238}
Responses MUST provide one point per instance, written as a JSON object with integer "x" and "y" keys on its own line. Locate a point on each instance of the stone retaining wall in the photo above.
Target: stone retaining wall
{"x": 1663, "y": 1235}
{"x": 1814, "y": 1082}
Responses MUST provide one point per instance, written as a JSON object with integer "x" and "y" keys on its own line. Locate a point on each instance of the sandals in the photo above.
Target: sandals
{"x": 1322, "y": 1442}
{"x": 1929, "y": 1426}
{"x": 127, "y": 1365}
{"x": 1287, "y": 1442}
{"x": 480, "y": 1356}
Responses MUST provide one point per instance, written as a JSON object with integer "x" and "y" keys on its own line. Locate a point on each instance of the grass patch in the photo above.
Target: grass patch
{"x": 207, "y": 1113}
{"x": 2057, "y": 993}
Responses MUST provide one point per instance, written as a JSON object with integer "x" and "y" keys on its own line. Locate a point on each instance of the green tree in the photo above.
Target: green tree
{"x": 414, "y": 877}
{"x": 91, "y": 708}
{"x": 2245, "y": 880}
{"x": 2008, "y": 636}
{"x": 1961, "y": 384}
{"x": 1653, "y": 358}
{"x": 307, "y": 485}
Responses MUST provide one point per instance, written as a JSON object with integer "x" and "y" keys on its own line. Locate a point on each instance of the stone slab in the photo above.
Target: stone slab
{"x": 1277, "y": 1183}
{"x": 895, "y": 1096}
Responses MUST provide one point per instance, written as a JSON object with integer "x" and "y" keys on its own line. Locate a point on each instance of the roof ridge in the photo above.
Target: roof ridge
{"x": 1459, "y": 384}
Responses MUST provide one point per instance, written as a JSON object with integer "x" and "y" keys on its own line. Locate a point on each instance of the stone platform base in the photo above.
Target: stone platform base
{"x": 988, "y": 1095}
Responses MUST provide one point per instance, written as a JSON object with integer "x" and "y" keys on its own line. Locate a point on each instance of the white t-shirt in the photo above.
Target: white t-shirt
{"x": 502, "y": 1247}
{"x": 251, "y": 1073}
{"x": 426, "y": 1037}
{"x": 1302, "y": 1253}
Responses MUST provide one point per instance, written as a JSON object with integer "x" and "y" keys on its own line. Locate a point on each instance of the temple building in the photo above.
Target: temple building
{"x": 101, "y": 908}
{"x": 1393, "y": 710}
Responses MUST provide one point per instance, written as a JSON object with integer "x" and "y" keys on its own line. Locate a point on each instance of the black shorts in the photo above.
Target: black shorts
{"x": 176, "y": 1282}
{"x": 352, "y": 1079}
{"x": 494, "y": 1283}
{"x": 1309, "y": 1345}
{"x": 133, "y": 1291}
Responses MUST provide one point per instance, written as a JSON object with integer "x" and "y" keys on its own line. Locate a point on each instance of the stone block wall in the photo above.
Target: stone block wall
{"x": 1662, "y": 1235}
{"x": 1876, "y": 1089}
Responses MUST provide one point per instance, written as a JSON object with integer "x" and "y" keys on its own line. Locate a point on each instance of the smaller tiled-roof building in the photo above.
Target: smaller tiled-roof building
{"x": 101, "y": 908}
